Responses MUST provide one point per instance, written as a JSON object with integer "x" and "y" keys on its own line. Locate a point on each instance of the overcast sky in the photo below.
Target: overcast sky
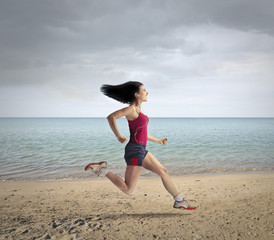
{"x": 196, "y": 58}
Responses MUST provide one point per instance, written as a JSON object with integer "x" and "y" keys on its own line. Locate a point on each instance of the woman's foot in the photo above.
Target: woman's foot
{"x": 183, "y": 205}
{"x": 96, "y": 167}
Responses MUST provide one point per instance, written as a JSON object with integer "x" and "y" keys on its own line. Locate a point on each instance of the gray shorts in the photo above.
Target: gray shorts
{"x": 135, "y": 154}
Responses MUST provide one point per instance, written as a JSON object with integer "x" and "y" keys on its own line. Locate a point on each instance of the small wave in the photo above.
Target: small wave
{"x": 26, "y": 156}
{"x": 208, "y": 171}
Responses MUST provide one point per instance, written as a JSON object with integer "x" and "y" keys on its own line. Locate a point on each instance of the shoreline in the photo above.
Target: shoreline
{"x": 151, "y": 176}
{"x": 230, "y": 206}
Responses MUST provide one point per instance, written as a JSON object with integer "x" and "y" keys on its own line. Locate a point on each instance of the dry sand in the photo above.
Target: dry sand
{"x": 234, "y": 206}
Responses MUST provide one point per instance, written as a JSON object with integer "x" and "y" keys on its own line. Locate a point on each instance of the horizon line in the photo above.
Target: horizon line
{"x": 149, "y": 117}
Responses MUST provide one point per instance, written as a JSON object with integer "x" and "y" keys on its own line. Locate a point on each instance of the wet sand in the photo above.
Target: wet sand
{"x": 233, "y": 206}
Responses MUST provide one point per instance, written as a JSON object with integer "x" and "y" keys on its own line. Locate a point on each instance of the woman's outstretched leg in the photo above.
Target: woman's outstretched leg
{"x": 152, "y": 164}
{"x": 132, "y": 175}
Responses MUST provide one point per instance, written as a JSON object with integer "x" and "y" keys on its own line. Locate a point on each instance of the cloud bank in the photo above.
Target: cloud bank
{"x": 196, "y": 58}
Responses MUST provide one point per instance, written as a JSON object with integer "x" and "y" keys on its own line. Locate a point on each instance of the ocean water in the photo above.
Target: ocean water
{"x": 59, "y": 148}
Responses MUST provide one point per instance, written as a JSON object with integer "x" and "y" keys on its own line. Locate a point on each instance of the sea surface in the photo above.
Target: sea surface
{"x": 59, "y": 148}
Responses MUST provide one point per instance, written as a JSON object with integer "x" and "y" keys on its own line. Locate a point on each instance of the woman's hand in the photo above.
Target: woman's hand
{"x": 122, "y": 139}
{"x": 163, "y": 141}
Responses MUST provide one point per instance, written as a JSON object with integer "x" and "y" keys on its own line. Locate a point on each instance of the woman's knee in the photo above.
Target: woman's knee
{"x": 128, "y": 190}
{"x": 163, "y": 172}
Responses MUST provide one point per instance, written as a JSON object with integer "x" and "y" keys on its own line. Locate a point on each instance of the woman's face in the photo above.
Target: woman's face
{"x": 142, "y": 95}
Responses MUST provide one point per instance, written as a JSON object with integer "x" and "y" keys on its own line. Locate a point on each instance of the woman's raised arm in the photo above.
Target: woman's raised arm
{"x": 113, "y": 125}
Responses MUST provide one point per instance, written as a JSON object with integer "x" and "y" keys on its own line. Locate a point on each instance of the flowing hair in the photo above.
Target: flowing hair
{"x": 124, "y": 93}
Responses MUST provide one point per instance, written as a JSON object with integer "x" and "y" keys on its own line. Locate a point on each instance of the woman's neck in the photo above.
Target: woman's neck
{"x": 137, "y": 105}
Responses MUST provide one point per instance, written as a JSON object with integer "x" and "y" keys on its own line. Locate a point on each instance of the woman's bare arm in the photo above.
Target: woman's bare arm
{"x": 156, "y": 140}
{"x": 113, "y": 125}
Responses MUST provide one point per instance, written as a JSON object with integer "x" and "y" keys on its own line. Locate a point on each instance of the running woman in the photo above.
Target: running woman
{"x": 136, "y": 155}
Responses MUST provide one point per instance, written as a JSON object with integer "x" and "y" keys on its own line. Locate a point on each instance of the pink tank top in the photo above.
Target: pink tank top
{"x": 138, "y": 129}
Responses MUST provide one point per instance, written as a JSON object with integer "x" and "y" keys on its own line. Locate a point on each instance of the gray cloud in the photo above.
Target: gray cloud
{"x": 69, "y": 48}
{"x": 42, "y": 33}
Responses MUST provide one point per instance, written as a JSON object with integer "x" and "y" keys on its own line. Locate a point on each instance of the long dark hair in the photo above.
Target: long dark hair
{"x": 124, "y": 93}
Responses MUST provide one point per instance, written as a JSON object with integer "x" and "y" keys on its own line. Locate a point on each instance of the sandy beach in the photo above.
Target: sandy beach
{"x": 232, "y": 206}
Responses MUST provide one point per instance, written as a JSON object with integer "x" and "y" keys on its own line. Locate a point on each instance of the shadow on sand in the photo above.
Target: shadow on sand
{"x": 142, "y": 215}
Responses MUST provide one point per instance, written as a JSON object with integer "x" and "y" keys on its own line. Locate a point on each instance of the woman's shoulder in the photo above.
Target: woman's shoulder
{"x": 128, "y": 110}
{"x": 131, "y": 113}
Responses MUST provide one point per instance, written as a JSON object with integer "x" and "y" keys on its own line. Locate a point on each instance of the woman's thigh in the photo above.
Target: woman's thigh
{"x": 152, "y": 164}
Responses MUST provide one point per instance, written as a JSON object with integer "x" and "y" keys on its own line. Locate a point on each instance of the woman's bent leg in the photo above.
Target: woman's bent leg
{"x": 131, "y": 177}
{"x": 152, "y": 164}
